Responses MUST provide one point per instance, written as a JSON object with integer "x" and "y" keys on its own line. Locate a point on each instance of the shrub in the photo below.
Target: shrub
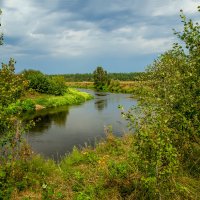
{"x": 167, "y": 121}
{"x": 57, "y": 85}
{"x": 37, "y": 80}
{"x": 114, "y": 86}
{"x": 12, "y": 85}
{"x": 44, "y": 84}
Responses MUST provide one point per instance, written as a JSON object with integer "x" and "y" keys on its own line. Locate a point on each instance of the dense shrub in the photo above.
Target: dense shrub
{"x": 12, "y": 85}
{"x": 167, "y": 121}
{"x": 45, "y": 84}
{"x": 37, "y": 81}
{"x": 57, "y": 85}
{"x": 114, "y": 86}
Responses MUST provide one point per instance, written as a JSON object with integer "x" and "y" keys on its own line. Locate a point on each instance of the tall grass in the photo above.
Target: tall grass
{"x": 108, "y": 171}
{"x": 72, "y": 96}
{"x": 31, "y": 101}
{"x": 132, "y": 87}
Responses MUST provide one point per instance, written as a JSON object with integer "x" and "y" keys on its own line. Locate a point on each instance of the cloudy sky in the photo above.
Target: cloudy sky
{"x": 76, "y": 36}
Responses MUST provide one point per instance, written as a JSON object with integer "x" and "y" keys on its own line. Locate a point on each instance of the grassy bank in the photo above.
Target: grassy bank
{"x": 84, "y": 84}
{"x": 132, "y": 87}
{"x": 35, "y": 101}
{"x": 72, "y": 96}
{"x": 109, "y": 171}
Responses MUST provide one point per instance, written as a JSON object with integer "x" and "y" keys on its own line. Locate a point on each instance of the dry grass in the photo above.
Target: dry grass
{"x": 104, "y": 172}
{"x": 80, "y": 84}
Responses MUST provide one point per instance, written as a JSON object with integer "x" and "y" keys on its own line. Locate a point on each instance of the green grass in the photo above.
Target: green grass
{"x": 108, "y": 171}
{"x": 72, "y": 96}
{"x": 132, "y": 87}
{"x": 31, "y": 101}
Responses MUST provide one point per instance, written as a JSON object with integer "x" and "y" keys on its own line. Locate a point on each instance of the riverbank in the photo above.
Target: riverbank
{"x": 131, "y": 87}
{"x": 114, "y": 169}
{"x": 109, "y": 171}
{"x": 71, "y": 97}
{"x": 33, "y": 101}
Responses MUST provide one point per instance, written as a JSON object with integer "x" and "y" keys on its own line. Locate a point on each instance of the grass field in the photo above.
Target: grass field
{"x": 33, "y": 101}
{"x": 133, "y": 87}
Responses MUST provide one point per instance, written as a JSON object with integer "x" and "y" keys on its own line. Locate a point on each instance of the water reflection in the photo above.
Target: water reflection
{"x": 100, "y": 104}
{"x": 101, "y": 101}
{"x": 44, "y": 121}
{"x": 101, "y": 94}
{"x": 60, "y": 118}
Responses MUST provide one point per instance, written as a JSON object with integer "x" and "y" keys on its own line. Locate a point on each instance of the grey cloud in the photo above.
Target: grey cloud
{"x": 68, "y": 29}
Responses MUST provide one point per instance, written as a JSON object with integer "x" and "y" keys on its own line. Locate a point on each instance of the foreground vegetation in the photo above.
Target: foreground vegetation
{"x": 159, "y": 161}
{"x": 107, "y": 172}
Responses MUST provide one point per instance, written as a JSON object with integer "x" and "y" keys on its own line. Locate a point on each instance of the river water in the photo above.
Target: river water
{"x": 58, "y": 130}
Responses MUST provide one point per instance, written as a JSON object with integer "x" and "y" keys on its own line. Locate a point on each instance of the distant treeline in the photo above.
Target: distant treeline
{"x": 132, "y": 76}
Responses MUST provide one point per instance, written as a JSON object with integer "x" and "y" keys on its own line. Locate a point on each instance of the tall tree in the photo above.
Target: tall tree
{"x": 100, "y": 78}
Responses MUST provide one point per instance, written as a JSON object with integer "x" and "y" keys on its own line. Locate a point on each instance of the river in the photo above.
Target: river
{"x": 58, "y": 130}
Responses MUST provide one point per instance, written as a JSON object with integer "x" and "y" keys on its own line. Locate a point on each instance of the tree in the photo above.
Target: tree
{"x": 45, "y": 84}
{"x": 100, "y": 78}
{"x": 166, "y": 122}
{"x": 12, "y": 87}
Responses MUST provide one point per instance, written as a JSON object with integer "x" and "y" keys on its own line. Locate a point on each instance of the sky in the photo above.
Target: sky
{"x": 76, "y": 36}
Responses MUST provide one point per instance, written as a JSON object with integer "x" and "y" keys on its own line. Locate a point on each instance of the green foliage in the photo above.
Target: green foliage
{"x": 88, "y": 77}
{"x": 114, "y": 86}
{"x": 37, "y": 80}
{"x": 25, "y": 173}
{"x": 12, "y": 85}
{"x": 166, "y": 124}
{"x": 20, "y": 107}
{"x": 100, "y": 78}
{"x": 119, "y": 170}
{"x": 132, "y": 76}
{"x": 78, "y": 77}
{"x": 27, "y": 105}
{"x": 45, "y": 84}
{"x": 72, "y": 96}
{"x": 57, "y": 86}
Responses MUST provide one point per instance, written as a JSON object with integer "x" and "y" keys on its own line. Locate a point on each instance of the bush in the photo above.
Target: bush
{"x": 37, "y": 80}
{"x": 12, "y": 85}
{"x": 167, "y": 122}
{"x": 114, "y": 86}
{"x": 44, "y": 84}
{"x": 57, "y": 85}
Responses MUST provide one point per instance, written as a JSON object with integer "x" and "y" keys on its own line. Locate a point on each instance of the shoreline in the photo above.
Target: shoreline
{"x": 34, "y": 103}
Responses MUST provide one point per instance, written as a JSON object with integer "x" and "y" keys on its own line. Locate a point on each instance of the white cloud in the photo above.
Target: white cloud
{"x": 172, "y": 7}
{"x": 43, "y": 30}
